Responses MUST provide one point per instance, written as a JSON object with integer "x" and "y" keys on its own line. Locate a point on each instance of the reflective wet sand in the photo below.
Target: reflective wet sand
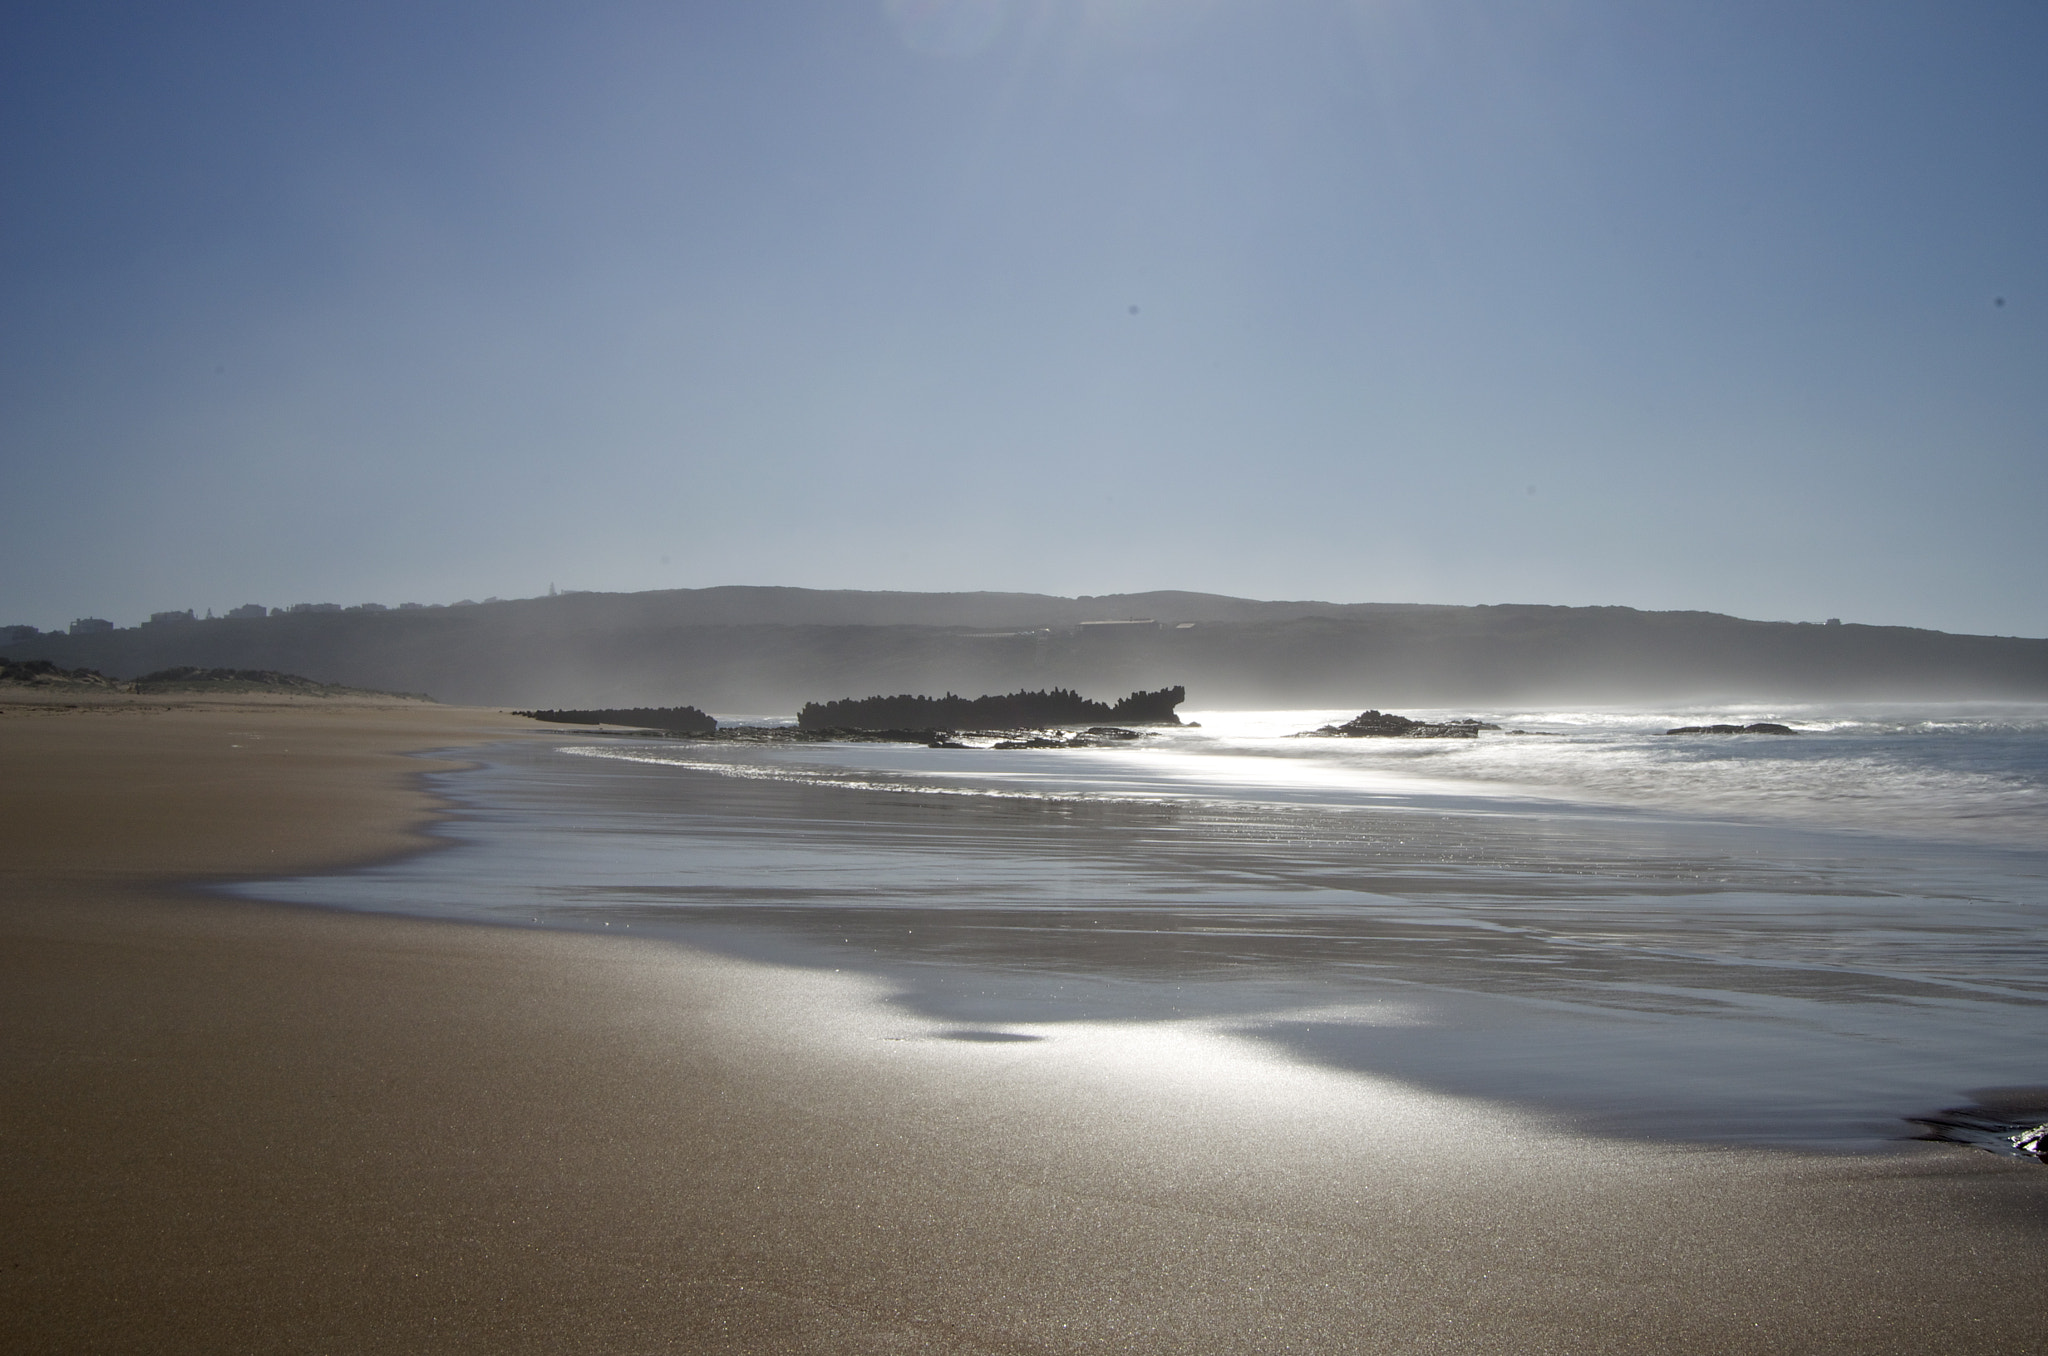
{"x": 1626, "y": 975}
{"x": 237, "y": 1126}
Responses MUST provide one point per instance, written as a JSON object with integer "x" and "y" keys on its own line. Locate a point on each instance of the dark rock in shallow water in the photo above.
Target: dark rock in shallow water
{"x": 1060, "y": 706}
{"x": 671, "y": 719}
{"x": 1385, "y": 725}
{"x": 1761, "y": 727}
{"x": 1095, "y": 737}
{"x": 2012, "y": 1122}
{"x": 1375, "y": 724}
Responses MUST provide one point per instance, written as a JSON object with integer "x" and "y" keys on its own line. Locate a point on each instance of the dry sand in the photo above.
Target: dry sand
{"x": 241, "y": 1127}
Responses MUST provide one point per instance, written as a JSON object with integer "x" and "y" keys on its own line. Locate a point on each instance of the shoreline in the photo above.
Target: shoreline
{"x": 242, "y": 1125}
{"x": 1542, "y": 966}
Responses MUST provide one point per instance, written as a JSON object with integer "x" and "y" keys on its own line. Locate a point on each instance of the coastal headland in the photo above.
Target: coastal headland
{"x": 742, "y": 650}
{"x": 237, "y": 1126}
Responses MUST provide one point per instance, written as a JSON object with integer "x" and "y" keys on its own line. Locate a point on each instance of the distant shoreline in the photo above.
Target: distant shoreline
{"x": 753, "y": 649}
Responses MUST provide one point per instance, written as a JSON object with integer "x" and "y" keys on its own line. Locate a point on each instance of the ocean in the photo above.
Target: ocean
{"x": 1823, "y": 941}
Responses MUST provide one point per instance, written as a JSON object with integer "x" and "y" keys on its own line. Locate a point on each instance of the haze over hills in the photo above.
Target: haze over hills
{"x": 766, "y": 650}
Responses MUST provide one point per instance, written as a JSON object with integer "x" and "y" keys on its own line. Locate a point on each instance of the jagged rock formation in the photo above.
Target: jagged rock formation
{"x": 671, "y": 719}
{"x": 1761, "y": 727}
{"x": 1060, "y": 706}
{"x": 1385, "y": 725}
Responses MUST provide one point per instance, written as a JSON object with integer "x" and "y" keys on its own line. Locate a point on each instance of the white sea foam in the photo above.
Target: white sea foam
{"x": 1979, "y": 773}
{"x": 813, "y": 775}
{"x": 1486, "y": 923}
{"x": 1967, "y": 773}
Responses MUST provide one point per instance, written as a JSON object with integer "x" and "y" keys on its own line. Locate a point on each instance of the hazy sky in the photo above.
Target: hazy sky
{"x": 1665, "y": 304}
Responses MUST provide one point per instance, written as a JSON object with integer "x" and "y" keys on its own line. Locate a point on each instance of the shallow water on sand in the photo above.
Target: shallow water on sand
{"x": 1637, "y": 946}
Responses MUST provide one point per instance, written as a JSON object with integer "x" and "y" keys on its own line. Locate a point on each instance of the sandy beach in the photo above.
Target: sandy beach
{"x": 238, "y": 1126}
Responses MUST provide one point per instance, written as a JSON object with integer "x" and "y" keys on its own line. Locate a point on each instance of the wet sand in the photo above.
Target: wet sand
{"x": 240, "y": 1126}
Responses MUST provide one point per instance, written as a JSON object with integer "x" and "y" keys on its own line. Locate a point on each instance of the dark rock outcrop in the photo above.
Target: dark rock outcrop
{"x": 1385, "y": 725}
{"x": 1099, "y": 737}
{"x": 668, "y": 719}
{"x": 1095, "y": 737}
{"x": 2009, "y": 1121}
{"x": 1761, "y": 727}
{"x": 1060, "y": 706}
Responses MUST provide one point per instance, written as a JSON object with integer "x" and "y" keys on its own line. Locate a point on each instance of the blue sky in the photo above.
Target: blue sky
{"x": 1673, "y": 305}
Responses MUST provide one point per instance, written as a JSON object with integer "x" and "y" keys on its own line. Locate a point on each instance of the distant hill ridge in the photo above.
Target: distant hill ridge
{"x": 765, "y": 650}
